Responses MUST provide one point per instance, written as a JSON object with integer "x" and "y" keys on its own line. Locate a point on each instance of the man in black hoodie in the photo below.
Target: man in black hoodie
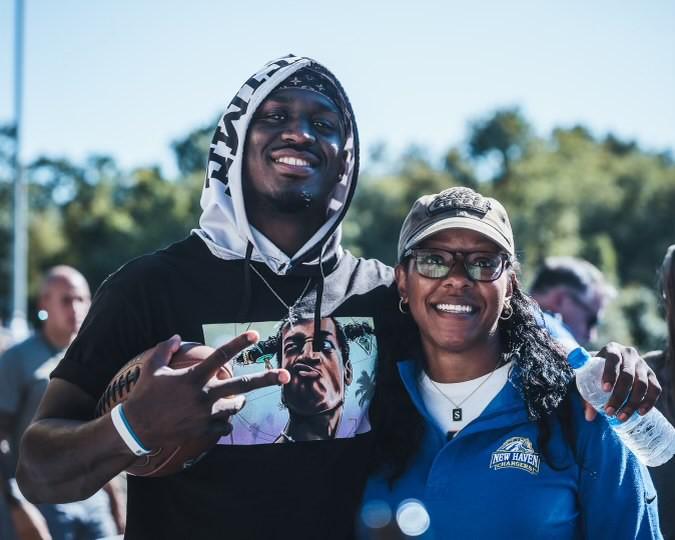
{"x": 280, "y": 176}
{"x": 281, "y": 172}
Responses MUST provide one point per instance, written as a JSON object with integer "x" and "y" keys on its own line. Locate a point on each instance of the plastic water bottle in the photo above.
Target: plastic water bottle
{"x": 650, "y": 437}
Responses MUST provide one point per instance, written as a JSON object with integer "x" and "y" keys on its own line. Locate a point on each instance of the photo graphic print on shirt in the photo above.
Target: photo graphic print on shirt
{"x": 330, "y": 388}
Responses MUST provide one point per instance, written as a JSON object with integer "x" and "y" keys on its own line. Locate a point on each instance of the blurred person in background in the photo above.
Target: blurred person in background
{"x": 64, "y": 300}
{"x": 6, "y": 530}
{"x": 475, "y": 413}
{"x": 663, "y": 363}
{"x": 572, "y": 293}
{"x": 19, "y": 519}
{"x": 5, "y": 339}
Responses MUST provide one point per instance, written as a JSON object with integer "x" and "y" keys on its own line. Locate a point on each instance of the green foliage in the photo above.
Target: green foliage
{"x": 568, "y": 193}
{"x": 192, "y": 150}
{"x": 506, "y": 133}
{"x": 381, "y": 204}
{"x": 96, "y": 217}
{"x": 640, "y": 310}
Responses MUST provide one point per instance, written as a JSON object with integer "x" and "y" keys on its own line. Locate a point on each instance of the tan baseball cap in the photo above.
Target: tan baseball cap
{"x": 456, "y": 208}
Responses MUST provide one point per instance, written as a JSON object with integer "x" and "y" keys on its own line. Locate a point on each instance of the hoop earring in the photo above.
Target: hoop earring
{"x": 509, "y": 314}
{"x": 401, "y": 303}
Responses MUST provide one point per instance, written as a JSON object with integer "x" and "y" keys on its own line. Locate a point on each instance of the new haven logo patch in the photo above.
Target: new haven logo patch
{"x": 516, "y": 453}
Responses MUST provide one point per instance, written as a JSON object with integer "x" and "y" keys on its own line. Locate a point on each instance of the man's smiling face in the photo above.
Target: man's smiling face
{"x": 294, "y": 152}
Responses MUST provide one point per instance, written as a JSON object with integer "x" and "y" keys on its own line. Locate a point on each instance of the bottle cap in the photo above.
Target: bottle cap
{"x": 578, "y": 357}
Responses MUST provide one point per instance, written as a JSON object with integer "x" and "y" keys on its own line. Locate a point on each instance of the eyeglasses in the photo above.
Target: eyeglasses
{"x": 591, "y": 312}
{"x": 438, "y": 263}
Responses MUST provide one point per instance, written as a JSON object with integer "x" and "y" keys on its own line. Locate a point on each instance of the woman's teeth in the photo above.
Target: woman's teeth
{"x": 454, "y": 308}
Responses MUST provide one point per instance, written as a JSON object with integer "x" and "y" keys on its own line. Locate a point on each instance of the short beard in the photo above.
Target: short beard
{"x": 292, "y": 202}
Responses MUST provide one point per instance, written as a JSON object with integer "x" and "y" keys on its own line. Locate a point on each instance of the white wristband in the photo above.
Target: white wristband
{"x": 127, "y": 434}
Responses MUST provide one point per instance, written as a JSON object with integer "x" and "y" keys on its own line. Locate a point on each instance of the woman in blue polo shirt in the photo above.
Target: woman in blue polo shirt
{"x": 475, "y": 412}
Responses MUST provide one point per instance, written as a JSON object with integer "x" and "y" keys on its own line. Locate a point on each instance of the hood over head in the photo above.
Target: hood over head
{"x": 224, "y": 225}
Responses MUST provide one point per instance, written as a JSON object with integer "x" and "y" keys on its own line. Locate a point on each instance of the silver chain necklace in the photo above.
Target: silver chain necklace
{"x": 292, "y": 317}
{"x": 457, "y": 410}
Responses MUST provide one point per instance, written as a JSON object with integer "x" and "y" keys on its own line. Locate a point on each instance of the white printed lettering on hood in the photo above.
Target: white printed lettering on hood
{"x": 223, "y": 225}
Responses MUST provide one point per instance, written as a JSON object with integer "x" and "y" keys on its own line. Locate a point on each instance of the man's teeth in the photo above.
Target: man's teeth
{"x": 454, "y": 308}
{"x": 296, "y": 162}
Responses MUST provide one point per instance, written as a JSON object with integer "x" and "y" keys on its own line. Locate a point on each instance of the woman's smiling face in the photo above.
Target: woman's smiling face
{"x": 455, "y": 314}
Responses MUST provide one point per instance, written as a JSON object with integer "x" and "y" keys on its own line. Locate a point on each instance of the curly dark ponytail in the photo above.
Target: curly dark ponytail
{"x": 545, "y": 374}
{"x": 541, "y": 361}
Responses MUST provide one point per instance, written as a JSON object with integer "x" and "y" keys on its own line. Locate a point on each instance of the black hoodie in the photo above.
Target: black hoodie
{"x": 211, "y": 287}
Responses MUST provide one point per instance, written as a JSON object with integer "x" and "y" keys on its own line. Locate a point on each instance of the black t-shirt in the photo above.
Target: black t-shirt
{"x": 248, "y": 486}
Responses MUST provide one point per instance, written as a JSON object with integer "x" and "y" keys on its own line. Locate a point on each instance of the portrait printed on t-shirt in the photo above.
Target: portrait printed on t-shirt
{"x": 332, "y": 379}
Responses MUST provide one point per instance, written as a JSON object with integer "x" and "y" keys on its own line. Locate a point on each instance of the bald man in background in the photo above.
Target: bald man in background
{"x": 64, "y": 300}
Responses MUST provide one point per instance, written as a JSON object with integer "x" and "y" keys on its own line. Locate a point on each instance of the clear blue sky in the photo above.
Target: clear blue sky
{"x": 127, "y": 77}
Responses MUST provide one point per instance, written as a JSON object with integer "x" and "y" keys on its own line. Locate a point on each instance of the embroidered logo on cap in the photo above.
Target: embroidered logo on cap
{"x": 459, "y": 199}
{"x": 516, "y": 453}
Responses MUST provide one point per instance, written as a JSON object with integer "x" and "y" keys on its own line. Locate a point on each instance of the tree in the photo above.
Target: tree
{"x": 191, "y": 151}
{"x": 506, "y": 133}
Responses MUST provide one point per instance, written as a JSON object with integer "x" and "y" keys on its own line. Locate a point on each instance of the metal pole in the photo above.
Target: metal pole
{"x": 18, "y": 324}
